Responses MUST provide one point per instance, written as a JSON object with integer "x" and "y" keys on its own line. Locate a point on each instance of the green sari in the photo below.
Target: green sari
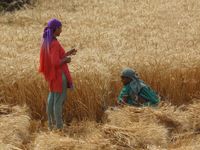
{"x": 150, "y": 96}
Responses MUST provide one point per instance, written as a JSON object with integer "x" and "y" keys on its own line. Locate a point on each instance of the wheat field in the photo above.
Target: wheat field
{"x": 160, "y": 39}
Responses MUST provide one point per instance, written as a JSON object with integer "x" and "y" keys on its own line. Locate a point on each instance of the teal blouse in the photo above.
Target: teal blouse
{"x": 146, "y": 93}
{"x": 126, "y": 90}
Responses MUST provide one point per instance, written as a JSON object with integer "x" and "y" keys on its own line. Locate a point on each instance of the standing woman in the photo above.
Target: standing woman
{"x": 53, "y": 65}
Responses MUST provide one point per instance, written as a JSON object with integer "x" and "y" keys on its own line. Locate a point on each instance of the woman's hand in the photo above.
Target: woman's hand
{"x": 66, "y": 60}
{"x": 72, "y": 51}
{"x": 122, "y": 102}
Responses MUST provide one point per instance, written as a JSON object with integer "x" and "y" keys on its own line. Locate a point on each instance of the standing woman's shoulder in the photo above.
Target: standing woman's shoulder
{"x": 55, "y": 44}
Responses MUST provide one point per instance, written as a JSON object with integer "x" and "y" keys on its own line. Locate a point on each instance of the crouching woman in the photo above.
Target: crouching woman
{"x": 135, "y": 91}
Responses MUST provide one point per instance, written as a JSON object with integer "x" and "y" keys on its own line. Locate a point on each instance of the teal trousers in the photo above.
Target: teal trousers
{"x": 55, "y": 103}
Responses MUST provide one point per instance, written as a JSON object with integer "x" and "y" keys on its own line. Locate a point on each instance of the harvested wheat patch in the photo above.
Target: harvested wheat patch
{"x": 186, "y": 141}
{"x": 14, "y": 127}
{"x": 125, "y": 128}
{"x": 80, "y": 135}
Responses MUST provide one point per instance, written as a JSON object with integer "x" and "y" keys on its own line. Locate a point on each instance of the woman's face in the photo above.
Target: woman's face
{"x": 125, "y": 80}
{"x": 58, "y": 31}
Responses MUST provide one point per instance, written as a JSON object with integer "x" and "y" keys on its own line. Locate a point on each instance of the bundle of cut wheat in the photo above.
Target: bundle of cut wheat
{"x": 14, "y": 128}
{"x": 85, "y": 135}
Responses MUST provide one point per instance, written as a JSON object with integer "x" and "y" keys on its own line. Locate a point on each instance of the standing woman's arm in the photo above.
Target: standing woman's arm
{"x": 55, "y": 57}
{"x": 71, "y": 52}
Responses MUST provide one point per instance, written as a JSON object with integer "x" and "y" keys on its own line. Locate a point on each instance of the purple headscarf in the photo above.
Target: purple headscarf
{"x": 52, "y": 25}
{"x": 45, "y": 61}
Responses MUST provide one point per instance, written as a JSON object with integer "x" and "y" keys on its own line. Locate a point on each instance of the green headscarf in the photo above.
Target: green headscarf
{"x": 136, "y": 84}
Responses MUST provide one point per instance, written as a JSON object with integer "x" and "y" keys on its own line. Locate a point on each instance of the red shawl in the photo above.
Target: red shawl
{"x": 51, "y": 68}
